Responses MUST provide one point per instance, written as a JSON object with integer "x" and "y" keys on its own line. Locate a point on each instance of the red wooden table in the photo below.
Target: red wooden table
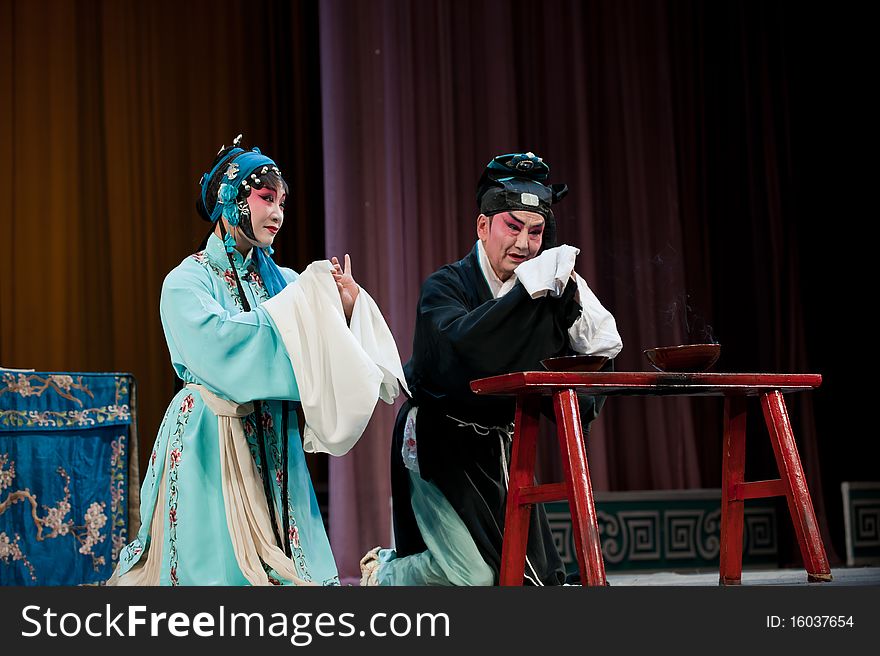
{"x": 529, "y": 386}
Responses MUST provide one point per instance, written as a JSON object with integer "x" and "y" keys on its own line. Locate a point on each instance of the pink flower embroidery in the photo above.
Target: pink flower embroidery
{"x": 229, "y": 277}
{"x": 187, "y": 404}
{"x": 278, "y": 476}
{"x": 172, "y": 516}
{"x": 268, "y": 423}
{"x": 293, "y": 533}
{"x": 153, "y": 459}
{"x": 175, "y": 458}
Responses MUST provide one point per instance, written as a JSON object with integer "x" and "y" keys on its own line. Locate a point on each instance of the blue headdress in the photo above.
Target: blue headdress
{"x": 242, "y": 168}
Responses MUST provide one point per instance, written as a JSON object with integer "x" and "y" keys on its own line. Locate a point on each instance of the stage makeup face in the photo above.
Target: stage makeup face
{"x": 510, "y": 238}
{"x": 267, "y": 213}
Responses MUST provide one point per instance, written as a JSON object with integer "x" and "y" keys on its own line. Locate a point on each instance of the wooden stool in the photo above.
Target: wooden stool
{"x": 522, "y": 493}
{"x": 792, "y": 485}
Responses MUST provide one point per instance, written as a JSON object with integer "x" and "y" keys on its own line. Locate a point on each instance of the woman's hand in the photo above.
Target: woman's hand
{"x": 345, "y": 284}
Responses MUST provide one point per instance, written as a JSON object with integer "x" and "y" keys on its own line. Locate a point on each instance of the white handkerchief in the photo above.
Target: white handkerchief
{"x": 549, "y": 272}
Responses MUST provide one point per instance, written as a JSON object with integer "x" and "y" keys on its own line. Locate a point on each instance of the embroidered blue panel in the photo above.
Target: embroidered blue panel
{"x": 65, "y": 440}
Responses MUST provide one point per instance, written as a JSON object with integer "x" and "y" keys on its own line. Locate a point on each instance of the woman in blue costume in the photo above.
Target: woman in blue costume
{"x": 227, "y": 498}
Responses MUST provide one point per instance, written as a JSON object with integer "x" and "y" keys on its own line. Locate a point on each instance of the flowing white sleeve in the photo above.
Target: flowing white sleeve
{"x": 341, "y": 373}
{"x": 595, "y": 330}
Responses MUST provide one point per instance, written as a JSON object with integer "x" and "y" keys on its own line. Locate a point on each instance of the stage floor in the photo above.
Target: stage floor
{"x": 842, "y": 576}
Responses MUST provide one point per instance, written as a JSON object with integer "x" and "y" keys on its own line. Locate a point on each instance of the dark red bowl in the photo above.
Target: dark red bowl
{"x": 688, "y": 357}
{"x": 575, "y": 363}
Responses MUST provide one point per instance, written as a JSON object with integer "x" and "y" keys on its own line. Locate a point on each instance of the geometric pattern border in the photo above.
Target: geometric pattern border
{"x": 674, "y": 529}
{"x": 861, "y": 515}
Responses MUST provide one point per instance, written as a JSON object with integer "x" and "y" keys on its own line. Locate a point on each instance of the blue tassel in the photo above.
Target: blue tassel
{"x": 229, "y": 243}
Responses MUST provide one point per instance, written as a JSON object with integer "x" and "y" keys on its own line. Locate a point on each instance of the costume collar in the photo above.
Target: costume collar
{"x": 216, "y": 252}
{"x": 496, "y": 285}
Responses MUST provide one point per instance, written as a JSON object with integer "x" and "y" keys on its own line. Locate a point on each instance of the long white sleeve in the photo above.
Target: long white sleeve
{"x": 595, "y": 331}
{"x": 341, "y": 373}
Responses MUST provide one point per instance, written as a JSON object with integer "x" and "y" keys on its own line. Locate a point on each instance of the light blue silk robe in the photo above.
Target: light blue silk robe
{"x": 240, "y": 357}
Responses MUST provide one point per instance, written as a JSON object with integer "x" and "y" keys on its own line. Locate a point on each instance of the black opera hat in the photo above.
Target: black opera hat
{"x": 515, "y": 182}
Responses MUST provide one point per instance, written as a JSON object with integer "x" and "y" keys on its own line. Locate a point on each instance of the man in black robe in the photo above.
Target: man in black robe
{"x": 513, "y": 301}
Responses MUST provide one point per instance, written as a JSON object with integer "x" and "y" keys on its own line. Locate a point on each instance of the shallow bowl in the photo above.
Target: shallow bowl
{"x": 575, "y": 363}
{"x": 687, "y": 357}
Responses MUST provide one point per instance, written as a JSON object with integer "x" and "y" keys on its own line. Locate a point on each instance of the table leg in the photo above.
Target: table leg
{"x": 800, "y": 505}
{"x": 584, "y": 522}
{"x": 522, "y": 475}
{"x": 733, "y": 465}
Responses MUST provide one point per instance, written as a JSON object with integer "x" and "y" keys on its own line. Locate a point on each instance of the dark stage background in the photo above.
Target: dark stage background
{"x": 714, "y": 151}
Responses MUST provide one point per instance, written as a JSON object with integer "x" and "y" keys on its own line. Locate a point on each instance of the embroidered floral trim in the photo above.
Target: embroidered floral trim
{"x": 121, "y": 389}
{"x": 118, "y": 530}
{"x": 131, "y": 552}
{"x": 79, "y": 418}
{"x": 274, "y": 455}
{"x": 257, "y": 285}
{"x": 174, "y": 459}
{"x": 275, "y": 443}
{"x": 155, "y": 452}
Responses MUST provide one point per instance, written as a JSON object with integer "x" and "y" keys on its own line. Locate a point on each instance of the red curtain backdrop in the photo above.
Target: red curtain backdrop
{"x": 678, "y": 127}
{"x": 110, "y": 112}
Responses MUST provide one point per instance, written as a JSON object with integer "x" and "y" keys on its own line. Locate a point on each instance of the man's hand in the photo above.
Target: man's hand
{"x": 345, "y": 284}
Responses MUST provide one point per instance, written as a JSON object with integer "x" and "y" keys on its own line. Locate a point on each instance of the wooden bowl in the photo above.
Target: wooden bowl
{"x": 688, "y": 357}
{"x": 575, "y": 363}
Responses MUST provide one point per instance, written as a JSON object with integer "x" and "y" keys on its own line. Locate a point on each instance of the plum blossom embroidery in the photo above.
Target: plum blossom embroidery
{"x": 26, "y": 385}
{"x": 10, "y": 550}
{"x": 95, "y": 520}
{"x": 22, "y": 386}
{"x": 62, "y": 381}
{"x": 54, "y": 521}
{"x": 6, "y": 475}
